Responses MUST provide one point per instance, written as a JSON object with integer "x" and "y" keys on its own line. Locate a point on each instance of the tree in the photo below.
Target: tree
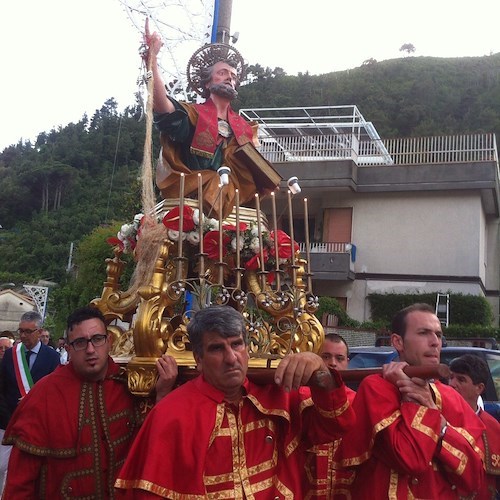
{"x": 409, "y": 48}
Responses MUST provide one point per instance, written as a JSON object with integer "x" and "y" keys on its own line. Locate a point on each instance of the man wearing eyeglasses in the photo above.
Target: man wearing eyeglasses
{"x": 71, "y": 434}
{"x": 22, "y": 367}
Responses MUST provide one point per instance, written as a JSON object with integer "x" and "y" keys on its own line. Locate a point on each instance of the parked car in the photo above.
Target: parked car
{"x": 371, "y": 357}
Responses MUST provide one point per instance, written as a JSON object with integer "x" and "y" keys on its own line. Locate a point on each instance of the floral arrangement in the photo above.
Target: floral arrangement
{"x": 248, "y": 242}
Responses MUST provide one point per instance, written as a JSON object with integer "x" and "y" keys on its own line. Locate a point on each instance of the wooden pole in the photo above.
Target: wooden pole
{"x": 265, "y": 376}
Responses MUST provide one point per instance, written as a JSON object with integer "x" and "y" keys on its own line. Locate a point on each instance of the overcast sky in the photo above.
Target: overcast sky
{"x": 63, "y": 58}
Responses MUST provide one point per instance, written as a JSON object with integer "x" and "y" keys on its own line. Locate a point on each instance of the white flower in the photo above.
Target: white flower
{"x": 174, "y": 235}
{"x": 193, "y": 237}
{"x": 211, "y": 224}
{"x": 196, "y": 216}
{"x": 127, "y": 230}
{"x": 120, "y": 236}
{"x": 254, "y": 245}
{"x": 137, "y": 220}
{"x": 254, "y": 230}
{"x": 233, "y": 243}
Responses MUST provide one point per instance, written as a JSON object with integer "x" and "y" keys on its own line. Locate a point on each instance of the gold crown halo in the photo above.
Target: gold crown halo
{"x": 207, "y": 56}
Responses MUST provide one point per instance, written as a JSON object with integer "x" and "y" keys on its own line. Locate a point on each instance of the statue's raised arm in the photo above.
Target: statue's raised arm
{"x": 154, "y": 43}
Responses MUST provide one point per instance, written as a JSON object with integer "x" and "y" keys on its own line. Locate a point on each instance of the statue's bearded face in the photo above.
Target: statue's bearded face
{"x": 223, "y": 90}
{"x": 223, "y": 81}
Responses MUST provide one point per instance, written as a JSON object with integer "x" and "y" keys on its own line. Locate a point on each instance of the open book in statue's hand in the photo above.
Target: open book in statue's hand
{"x": 265, "y": 176}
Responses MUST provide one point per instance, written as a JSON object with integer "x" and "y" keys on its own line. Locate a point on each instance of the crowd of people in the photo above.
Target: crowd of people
{"x": 76, "y": 431}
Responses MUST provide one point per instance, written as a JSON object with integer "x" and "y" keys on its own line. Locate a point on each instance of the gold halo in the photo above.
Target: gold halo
{"x": 207, "y": 56}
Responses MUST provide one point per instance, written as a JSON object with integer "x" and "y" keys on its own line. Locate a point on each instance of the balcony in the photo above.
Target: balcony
{"x": 341, "y": 133}
{"x": 330, "y": 261}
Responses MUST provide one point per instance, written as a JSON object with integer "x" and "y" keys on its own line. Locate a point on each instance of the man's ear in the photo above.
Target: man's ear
{"x": 397, "y": 342}
{"x": 199, "y": 362}
{"x": 480, "y": 388}
{"x": 111, "y": 337}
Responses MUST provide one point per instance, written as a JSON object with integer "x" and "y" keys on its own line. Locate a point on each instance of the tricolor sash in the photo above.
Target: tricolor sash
{"x": 23, "y": 374}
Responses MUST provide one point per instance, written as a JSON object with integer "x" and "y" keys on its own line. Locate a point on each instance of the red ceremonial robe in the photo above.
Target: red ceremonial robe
{"x": 194, "y": 445}
{"x": 491, "y": 438}
{"x": 70, "y": 437}
{"x": 322, "y": 479}
{"x": 398, "y": 450}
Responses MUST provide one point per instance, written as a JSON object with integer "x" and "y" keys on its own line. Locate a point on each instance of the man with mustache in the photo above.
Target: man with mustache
{"x": 414, "y": 438}
{"x": 322, "y": 479}
{"x": 222, "y": 436}
{"x": 203, "y": 137}
{"x": 71, "y": 433}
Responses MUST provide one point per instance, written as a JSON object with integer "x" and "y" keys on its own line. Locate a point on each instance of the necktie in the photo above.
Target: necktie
{"x": 28, "y": 356}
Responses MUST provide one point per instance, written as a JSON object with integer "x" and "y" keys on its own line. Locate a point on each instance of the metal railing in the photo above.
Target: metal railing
{"x": 441, "y": 149}
{"x": 328, "y": 247}
{"x": 309, "y": 148}
{"x": 403, "y": 151}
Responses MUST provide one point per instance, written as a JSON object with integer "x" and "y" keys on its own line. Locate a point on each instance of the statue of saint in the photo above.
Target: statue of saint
{"x": 204, "y": 137}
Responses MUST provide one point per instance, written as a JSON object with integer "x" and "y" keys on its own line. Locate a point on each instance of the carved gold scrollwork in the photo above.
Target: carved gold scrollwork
{"x": 150, "y": 319}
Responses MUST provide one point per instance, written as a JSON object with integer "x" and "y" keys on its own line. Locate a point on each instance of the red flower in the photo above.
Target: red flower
{"x": 211, "y": 244}
{"x": 231, "y": 227}
{"x": 284, "y": 245}
{"x": 115, "y": 242}
{"x": 254, "y": 263}
{"x": 171, "y": 219}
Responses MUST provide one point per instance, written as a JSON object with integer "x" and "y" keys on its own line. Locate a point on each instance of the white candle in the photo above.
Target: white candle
{"x": 238, "y": 256}
{"x": 261, "y": 245}
{"x": 181, "y": 224}
{"x": 276, "y": 247}
{"x": 292, "y": 238}
{"x": 221, "y": 268}
{"x": 308, "y": 253}
{"x": 200, "y": 218}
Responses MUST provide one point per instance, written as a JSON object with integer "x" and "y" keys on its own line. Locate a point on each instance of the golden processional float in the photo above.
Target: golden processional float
{"x": 185, "y": 260}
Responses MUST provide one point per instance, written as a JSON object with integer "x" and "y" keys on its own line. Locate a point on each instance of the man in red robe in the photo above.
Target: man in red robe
{"x": 414, "y": 438}
{"x": 223, "y": 436}
{"x": 72, "y": 432}
{"x": 469, "y": 376}
{"x": 322, "y": 479}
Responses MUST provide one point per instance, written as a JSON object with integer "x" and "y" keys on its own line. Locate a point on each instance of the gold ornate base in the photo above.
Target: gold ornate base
{"x": 150, "y": 318}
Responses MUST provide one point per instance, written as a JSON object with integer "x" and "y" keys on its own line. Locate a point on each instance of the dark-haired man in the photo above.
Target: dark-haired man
{"x": 71, "y": 433}
{"x": 469, "y": 375}
{"x": 322, "y": 478}
{"x": 222, "y": 436}
{"x": 335, "y": 352}
{"x": 414, "y": 438}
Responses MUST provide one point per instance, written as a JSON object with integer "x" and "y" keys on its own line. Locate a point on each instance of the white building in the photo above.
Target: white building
{"x": 12, "y": 306}
{"x": 404, "y": 216}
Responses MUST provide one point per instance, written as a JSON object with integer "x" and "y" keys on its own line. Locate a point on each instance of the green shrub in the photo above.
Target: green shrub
{"x": 465, "y": 310}
{"x": 329, "y": 305}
